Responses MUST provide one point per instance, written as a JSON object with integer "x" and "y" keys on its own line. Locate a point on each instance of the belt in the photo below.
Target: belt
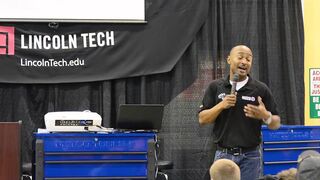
{"x": 236, "y": 151}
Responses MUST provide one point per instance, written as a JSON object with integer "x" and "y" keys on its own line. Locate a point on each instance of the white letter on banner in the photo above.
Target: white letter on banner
{"x": 63, "y": 42}
{"x": 23, "y": 46}
{"x": 84, "y": 38}
{"x": 73, "y": 41}
{"x": 37, "y": 42}
{"x": 100, "y": 36}
{"x": 46, "y": 38}
{"x": 92, "y": 40}
{"x": 56, "y": 42}
{"x": 110, "y": 38}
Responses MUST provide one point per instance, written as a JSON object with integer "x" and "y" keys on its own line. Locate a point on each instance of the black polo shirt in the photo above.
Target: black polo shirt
{"x": 232, "y": 128}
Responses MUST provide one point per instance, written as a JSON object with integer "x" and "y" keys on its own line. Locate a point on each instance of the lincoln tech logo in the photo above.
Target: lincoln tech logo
{"x": 6, "y": 40}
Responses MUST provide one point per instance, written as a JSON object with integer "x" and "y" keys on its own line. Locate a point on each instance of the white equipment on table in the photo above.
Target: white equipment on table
{"x": 72, "y": 121}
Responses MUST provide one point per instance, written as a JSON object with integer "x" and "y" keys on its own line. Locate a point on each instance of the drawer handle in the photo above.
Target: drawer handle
{"x": 93, "y": 153}
{"x": 291, "y": 142}
{"x": 94, "y": 178}
{"x": 280, "y": 162}
{"x": 292, "y": 148}
{"x": 90, "y": 161}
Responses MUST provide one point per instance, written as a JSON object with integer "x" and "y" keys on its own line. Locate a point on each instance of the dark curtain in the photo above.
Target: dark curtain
{"x": 272, "y": 28}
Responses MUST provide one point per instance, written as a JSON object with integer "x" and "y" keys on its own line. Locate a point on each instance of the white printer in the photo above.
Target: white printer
{"x": 72, "y": 121}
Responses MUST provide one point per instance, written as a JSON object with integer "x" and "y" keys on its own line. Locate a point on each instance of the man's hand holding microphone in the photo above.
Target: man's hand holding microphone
{"x": 231, "y": 99}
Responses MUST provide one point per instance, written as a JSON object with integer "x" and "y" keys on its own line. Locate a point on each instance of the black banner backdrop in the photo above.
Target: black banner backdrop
{"x": 70, "y": 52}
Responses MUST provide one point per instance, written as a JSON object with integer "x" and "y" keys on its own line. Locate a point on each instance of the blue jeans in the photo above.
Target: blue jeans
{"x": 248, "y": 162}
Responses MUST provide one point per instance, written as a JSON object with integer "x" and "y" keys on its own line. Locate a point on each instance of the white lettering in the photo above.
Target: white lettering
{"x": 37, "y": 42}
{"x": 98, "y": 39}
{"x": 46, "y": 45}
{"x": 73, "y": 41}
{"x": 56, "y": 42}
{"x": 23, "y": 46}
{"x": 84, "y": 38}
{"x": 52, "y": 62}
{"x": 110, "y": 38}
{"x": 221, "y": 96}
{"x": 30, "y": 42}
{"x": 92, "y": 40}
{"x": 63, "y": 43}
{"x": 100, "y": 42}
{"x": 48, "y": 42}
{"x": 248, "y": 98}
{"x": 22, "y": 63}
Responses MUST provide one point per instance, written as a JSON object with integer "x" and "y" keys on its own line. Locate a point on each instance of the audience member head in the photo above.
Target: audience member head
{"x": 289, "y": 174}
{"x": 308, "y": 165}
{"x": 224, "y": 169}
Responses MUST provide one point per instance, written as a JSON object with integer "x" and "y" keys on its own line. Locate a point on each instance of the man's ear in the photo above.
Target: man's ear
{"x": 228, "y": 59}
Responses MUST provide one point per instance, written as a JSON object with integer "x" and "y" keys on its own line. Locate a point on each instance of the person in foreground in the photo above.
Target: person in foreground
{"x": 224, "y": 169}
{"x": 309, "y": 165}
{"x": 287, "y": 174}
{"x": 238, "y": 105}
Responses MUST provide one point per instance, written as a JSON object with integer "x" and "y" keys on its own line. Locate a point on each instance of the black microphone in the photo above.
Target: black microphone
{"x": 234, "y": 83}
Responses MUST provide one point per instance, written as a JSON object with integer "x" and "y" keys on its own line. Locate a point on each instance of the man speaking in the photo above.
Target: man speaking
{"x": 238, "y": 105}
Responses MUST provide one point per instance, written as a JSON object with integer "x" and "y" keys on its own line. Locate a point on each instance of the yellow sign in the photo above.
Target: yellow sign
{"x": 311, "y": 61}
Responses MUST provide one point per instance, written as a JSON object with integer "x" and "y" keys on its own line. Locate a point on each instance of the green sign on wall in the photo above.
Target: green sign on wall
{"x": 314, "y": 93}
